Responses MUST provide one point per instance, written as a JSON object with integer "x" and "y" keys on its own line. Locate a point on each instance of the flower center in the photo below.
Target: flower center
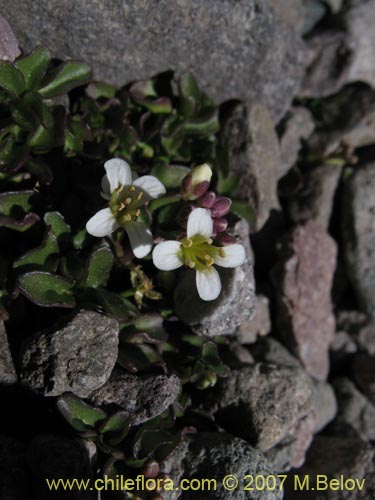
{"x": 125, "y": 204}
{"x": 199, "y": 253}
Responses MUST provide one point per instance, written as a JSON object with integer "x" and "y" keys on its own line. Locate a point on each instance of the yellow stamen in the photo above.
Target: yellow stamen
{"x": 190, "y": 264}
{"x": 128, "y": 201}
{"x": 140, "y": 195}
{"x": 188, "y": 243}
{"x": 127, "y": 217}
{"x": 222, "y": 252}
{"x": 132, "y": 189}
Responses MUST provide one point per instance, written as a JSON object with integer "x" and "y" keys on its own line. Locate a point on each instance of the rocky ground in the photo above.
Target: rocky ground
{"x": 297, "y": 321}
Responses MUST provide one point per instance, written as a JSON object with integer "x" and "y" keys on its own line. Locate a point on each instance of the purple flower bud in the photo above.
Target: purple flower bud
{"x": 207, "y": 200}
{"x": 186, "y": 185}
{"x": 200, "y": 188}
{"x": 220, "y": 224}
{"x": 225, "y": 239}
{"x": 221, "y": 206}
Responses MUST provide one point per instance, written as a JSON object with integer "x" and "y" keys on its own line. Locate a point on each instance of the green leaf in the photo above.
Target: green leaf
{"x": 138, "y": 357}
{"x": 243, "y": 209}
{"x": 162, "y": 105}
{"x": 81, "y": 416}
{"x": 153, "y": 326}
{"x": 97, "y": 90}
{"x": 115, "y": 428}
{"x": 11, "y": 78}
{"x": 142, "y": 89}
{"x": 206, "y": 124}
{"x": 43, "y": 257}
{"x": 51, "y": 133}
{"x": 170, "y": 175}
{"x": 99, "y": 267}
{"x": 189, "y": 87}
{"x": 67, "y": 76}
{"x": 19, "y": 225}
{"x": 28, "y": 111}
{"x": 15, "y": 200}
{"x": 114, "y": 305}
{"x": 34, "y": 67}
{"x": 47, "y": 289}
{"x": 58, "y": 225}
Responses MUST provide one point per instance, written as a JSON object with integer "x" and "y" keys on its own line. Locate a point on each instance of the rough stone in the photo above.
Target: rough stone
{"x": 76, "y": 355}
{"x": 7, "y": 371}
{"x": 9, "y": 49}
{"x": 314, "y": 199}
{"x": 14, "y": 477}
{"x": 336, "y": 457}
{"x": 297, "y": 125}
{"x": 59, "y": 457}
{"x": 291, "y": 451}
{"x": 324, "y": 404}
{"x": 260, "y": 325}
{"x": 234, "y": 306}
{"x": 358, "y": 328}
{"x": 124, "y": 41}
{"x": 356, "y": 415}
{"x": 358, "y": 227}
{"x": 261, "y": 403}
{"x": 254, "y": 156}
{"x": 349, "y": 121}
{"x": 141, "y": 396}
{"x": 303, "y": 280}
{"x": 270, "y": 350}
{"x": 341, "y": 56}
{"x": 214, "y": 455}
{"x": 364, "y": 374}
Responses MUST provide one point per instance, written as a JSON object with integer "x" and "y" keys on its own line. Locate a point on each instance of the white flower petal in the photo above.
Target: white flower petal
{"x": 150, "y": 185}
{"x": 118, "y": 173}
{"x": 165, "y": 257}
{"x": 102, "y": 223}
{"x": 200, "y": 222}
{"x": 208, "y": 284}
{"x": 140, "y": 238}
{"x": 106, "y": 189}
{"x": 234, "y": 256}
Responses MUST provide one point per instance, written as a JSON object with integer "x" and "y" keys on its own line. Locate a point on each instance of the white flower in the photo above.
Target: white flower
{"x": 126, "y": 198}
{"x": 197, "y": 252}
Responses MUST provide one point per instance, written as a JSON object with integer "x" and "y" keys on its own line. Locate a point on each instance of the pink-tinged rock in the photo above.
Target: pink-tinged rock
{"x": 303, "y": 280}
{"x": 9, "y": 49}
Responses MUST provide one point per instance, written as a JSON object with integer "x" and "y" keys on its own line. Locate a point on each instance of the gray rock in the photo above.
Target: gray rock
{"x": 297, "y": 125}
{"x": 303, "y": 280}
{"x": 349, "y": 121}
{"x": 314, "y": 199}
{"x": 125, "y": 41}
{"x": 358, "y": 226}
{"x": 336, "y": 457}
{"x": 76, "y": 355}
{"x": 261, "y": 403}
{"x": 14, "y": 476}
{"x": 141, "y": 396}
{"x": 341, "y": 56}
{"x": 356, "y": 415}
{"x": 59, "y": 457}
{"x": 291, "y": 11}
{"x": 358, "y": 328}
{"x": 324, "y": 404}
{"x": 291, "y": 451}
{"x": 213, "y": 456}
{"x": 260, "y": 324}
{"x": 7, "y": 371}
{"x": 254, "y": 156}
{"x": 270, "y": 350}
{"x": 234, "y": 306}
{"x": 364, "y": 374}
{"x": 9, "y": 49}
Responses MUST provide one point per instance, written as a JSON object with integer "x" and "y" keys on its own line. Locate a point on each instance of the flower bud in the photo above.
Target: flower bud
{"x": 221, "y": 206}
{"x": 196, "y": 184}
{"x": 225, "y": 239}
{"x": 220, "y": 225}
{"x": 151, "y": 469}
{"x": 207, "y": 200}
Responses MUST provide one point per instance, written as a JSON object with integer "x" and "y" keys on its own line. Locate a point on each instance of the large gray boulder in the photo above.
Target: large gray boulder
{"x": 236, "y": 49}
{"x": 358, "y": 226}
{"x": 76, "y": 355}
{"x": 213, "y": 455}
